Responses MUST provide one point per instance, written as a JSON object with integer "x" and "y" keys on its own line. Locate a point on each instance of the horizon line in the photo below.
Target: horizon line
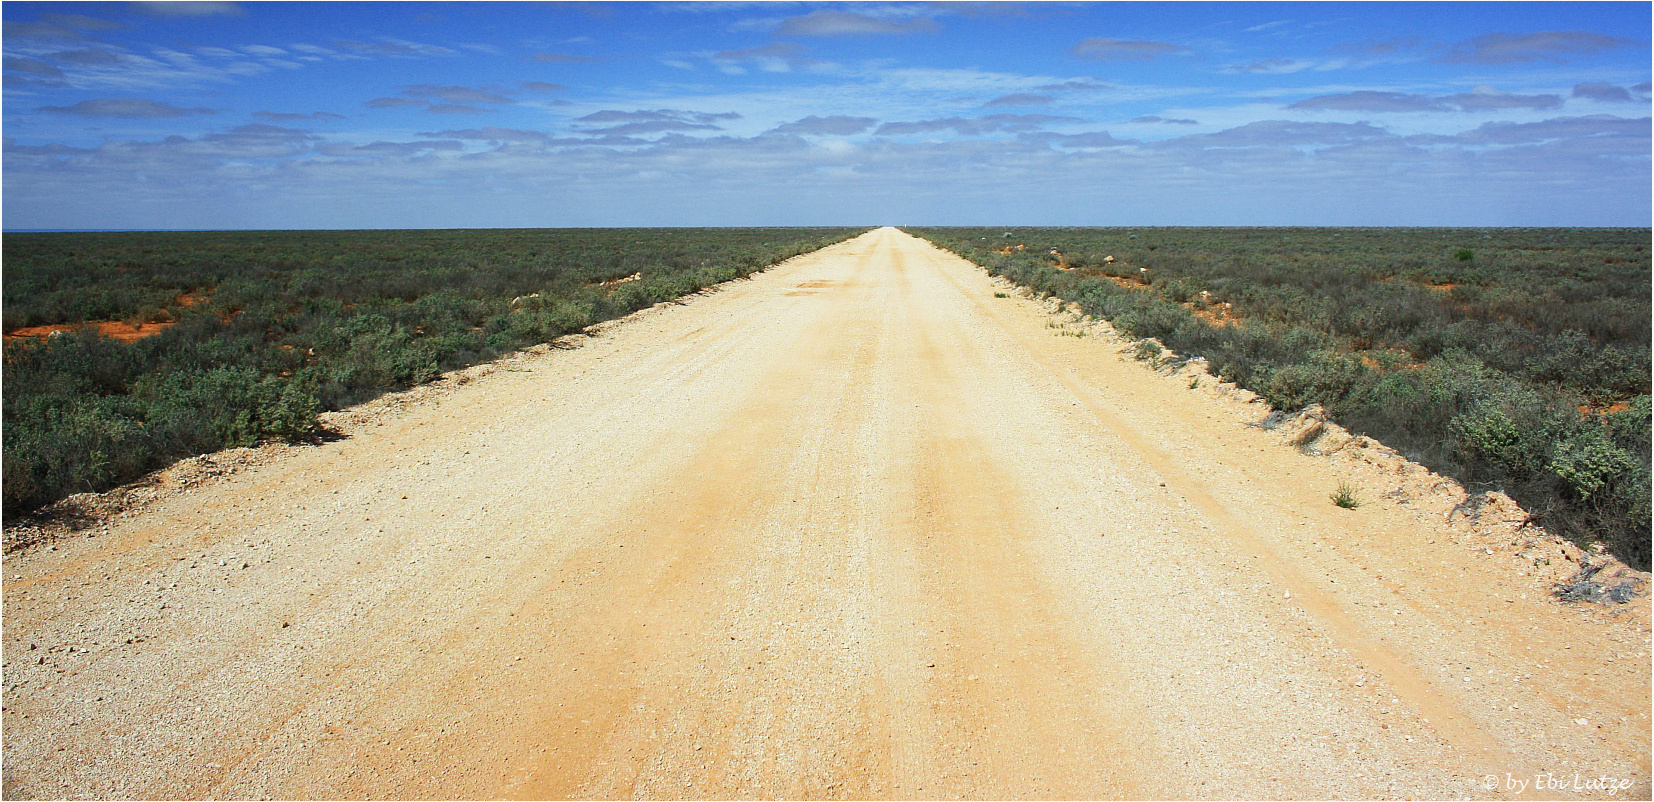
{"x": 4, "y": 232}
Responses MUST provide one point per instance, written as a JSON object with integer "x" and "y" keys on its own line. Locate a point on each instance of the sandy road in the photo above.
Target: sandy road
{"x": 854, "y": 528}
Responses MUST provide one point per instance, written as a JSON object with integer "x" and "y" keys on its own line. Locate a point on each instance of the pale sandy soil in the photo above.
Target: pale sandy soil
{"x": 853, "y": 528}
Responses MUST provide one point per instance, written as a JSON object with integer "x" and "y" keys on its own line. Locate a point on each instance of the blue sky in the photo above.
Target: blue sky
{"x": 414, "y": 115}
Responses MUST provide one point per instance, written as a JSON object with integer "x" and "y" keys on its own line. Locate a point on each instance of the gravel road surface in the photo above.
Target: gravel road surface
{"x": 853, "y": 528}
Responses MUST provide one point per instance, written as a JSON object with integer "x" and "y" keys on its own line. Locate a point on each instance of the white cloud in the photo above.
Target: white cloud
{"x": 1272, "y": 66}
{"x": 833, "y": 22}
{"x": 186, "y": 8}
{"x": 1293, "y": 172}
{"x": 1102, "y": 48}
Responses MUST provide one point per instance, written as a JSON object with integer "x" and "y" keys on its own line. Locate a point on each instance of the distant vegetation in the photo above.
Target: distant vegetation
{"x": 270, "y": 328}
{"x": 1515, "y": 359}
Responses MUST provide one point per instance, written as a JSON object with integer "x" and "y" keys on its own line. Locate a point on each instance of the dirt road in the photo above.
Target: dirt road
{"x": 854, "y": 528}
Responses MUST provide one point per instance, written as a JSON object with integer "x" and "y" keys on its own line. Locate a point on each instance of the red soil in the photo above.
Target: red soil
{"x": 1214, "y": 315}
{"x": 1617, "y": 406}
{"x": 125, "y": 332}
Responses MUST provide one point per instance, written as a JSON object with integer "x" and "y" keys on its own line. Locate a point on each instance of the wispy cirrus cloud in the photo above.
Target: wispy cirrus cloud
{"x": 130, "y": 108}
{"x": 58, "y": 28}
{"x": 773, "y": 57}
{"x": 382, "y": 148}
{"x": 648, "y": 127}
{"x": 175, "y": 157}
{"x": 100, "y": 65}
{"x": 1487, "y": 99}
{"x": 1104, "y": 49}
{"x": 455, "y": 94}
{"x": 84, "y": 23}
{"x": 832, "y": 22}
{"x": 311, "y": 52}
{"x": 1484, "y": 99}
{"x": 1020, "y": 99}
{"x": 187, "y": 8}
{"x": 442, "y": 99}
{"x": 1281, "y": 162}
{"x": 980, "y": 10}
{"x": 1279, "y": 134}
{"x": 1383, "y": 47}
{"x": 16, "y": 31}
{"x": 974, "y": 126}
{"x": 615, "y": 115}
{"x": 29, "y": 66}
{"x": 1602, "y": 91}
{"x": 1369, "y": 100}
{"x": 1513, "y": 48}
{"x": 895, "y": 105}
{"x": 1089, "y": 139}
{"x": 492, "y": 134}
{"x": 1272, "y": 66}
{"x": 1622, "y": 135}
{"x": 836, "y": 125}
{"x": 1499, "y": 48}
{"x": 1260, "y": 28}
{"x": 1075, "y": 85}
{"x": 547, "y": 57}
{"x": 88, "y": 57}
{"x": 613, "y": 122}
{"x": 294, "y": 117}
{"x": 395, "y": 48}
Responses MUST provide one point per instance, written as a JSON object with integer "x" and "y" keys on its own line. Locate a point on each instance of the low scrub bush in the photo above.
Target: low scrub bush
{"x": 1478, "y": 365}
{"x": 271, "y": 328}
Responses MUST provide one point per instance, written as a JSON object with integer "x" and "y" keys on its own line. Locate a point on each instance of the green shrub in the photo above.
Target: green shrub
{"x": 1633, "y": 427}
{"x": 1589, "y": 464}
{"x": 298, "y": 322}
{"x": 1327, "y": 378}
{"x": 1179, "y": 291}
{"x": 1506, "y": 432}
{"x": 1481, "y": 382}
